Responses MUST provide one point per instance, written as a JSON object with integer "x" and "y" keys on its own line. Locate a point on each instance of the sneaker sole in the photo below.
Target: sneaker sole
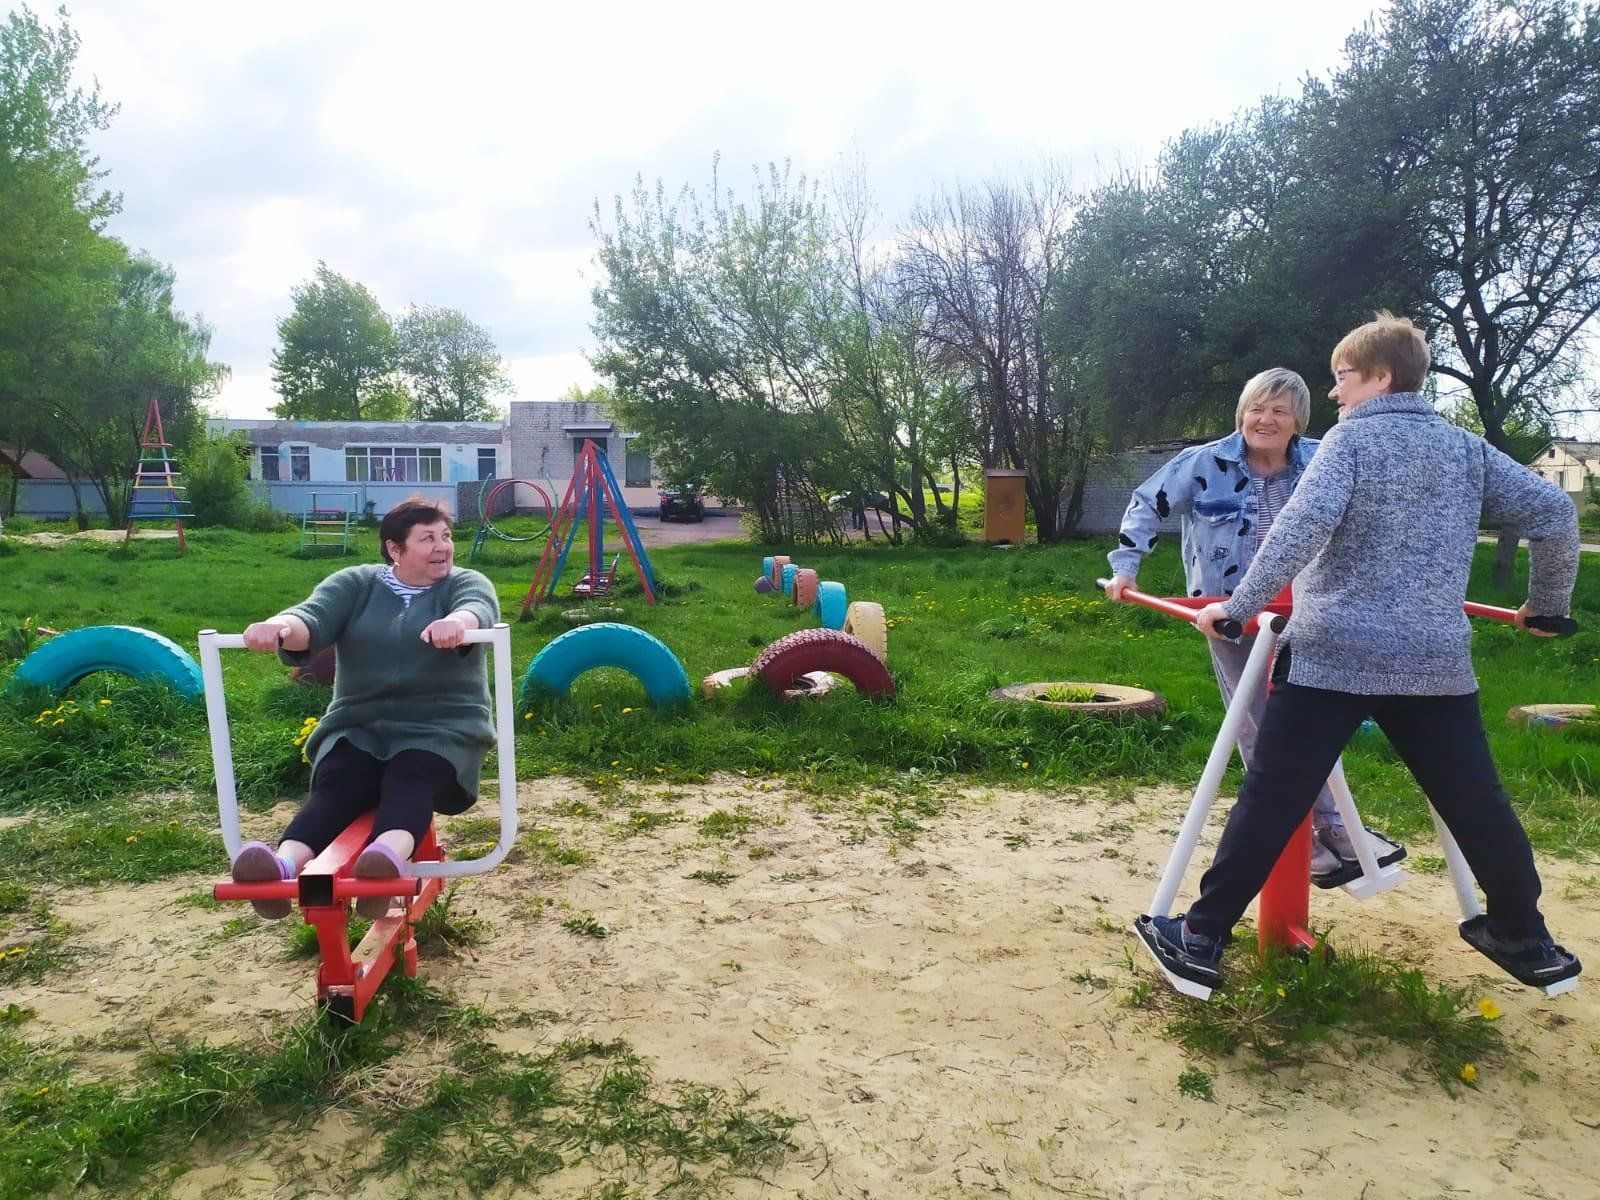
{"x": 374, "y": 864}
{"x": 1475, "y": 932}
{"x": 1349, "y": 870}
{"x": 1186, "y": 975}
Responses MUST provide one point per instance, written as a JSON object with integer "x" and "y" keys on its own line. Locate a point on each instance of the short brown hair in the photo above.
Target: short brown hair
{"x": 1386, "y": 343}
{"x": 399, "y": 521}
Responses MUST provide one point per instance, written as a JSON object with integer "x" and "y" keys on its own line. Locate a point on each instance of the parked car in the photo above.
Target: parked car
{"x": 683, "y": 501}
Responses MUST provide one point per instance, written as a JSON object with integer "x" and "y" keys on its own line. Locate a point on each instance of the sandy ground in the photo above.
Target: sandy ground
{"x": 946, "y": 1018}
{"x": 94, "y": 535}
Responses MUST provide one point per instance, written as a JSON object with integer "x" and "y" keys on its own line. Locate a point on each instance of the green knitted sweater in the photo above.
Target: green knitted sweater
{"x": 391, "y": 690}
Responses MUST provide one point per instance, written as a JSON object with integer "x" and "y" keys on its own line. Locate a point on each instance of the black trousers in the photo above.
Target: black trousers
{"x": 1442, "y": 743}
{"x": 406, "y": 791}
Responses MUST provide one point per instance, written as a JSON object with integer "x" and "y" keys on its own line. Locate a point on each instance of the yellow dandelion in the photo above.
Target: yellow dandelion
{"x": 616, "y": 762}
{"x": 130, "y": 839}
{"x": 626, "y": 711}
{"x": 1282, "y": 994}
{"x": 1024, "y": 766}
{"x": 58, "y": 721}
{"x": 1469, "y": 1073}
{"x": 105, "y": 704}
{"x": 1489, "y": 1009}
{"x": 527, "y": 716}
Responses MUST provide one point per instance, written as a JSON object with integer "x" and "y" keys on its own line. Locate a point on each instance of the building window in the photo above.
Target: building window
{"x": 637, "y": 467}
{"x": 577, "y": 445}
{"x": 393, "y": 464}
{"x": 300, "y": 464}
{"x": 269, "y": 463}
{"x": 486, "y": 462}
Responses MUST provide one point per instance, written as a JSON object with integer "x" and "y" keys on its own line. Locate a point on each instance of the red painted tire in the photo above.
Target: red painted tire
{"x": 788, "y": 658}
{"x": 779, "y": 561}
{"x": 805, "y": 587}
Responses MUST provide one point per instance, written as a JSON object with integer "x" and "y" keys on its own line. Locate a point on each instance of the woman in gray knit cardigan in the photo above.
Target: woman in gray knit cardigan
{"x": 1379, "y": 540}
{"x": 409, "y": 725}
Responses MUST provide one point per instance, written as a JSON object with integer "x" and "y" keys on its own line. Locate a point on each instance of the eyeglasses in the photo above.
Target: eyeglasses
{"x": 1342, "y": 373}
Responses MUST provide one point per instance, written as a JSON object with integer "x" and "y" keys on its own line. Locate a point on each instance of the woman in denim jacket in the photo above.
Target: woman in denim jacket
{"x": 1226, "y": 494}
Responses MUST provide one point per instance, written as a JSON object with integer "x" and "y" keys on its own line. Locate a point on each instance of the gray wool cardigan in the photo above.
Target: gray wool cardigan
{"x": 391, "y": 690}
{"x": 1378, "y": 540}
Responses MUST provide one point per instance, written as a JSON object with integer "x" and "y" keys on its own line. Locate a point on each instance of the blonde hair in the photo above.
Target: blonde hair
{"x": 1386, "y": 343}
{"x": 1276, "y": 381}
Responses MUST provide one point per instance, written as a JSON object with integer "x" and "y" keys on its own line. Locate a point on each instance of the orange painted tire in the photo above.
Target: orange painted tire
{"x": 779, "y": 562}
{"x": 805, "y": 587}
{"x": 865, "y": 621}
{"x": 788, "y": 658}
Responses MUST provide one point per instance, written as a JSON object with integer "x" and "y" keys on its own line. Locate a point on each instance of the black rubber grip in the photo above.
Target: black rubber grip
{"x": 1230, "y": 629}
{"x": 1560, "y": 626}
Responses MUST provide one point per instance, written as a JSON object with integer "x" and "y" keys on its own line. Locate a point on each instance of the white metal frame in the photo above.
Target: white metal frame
{"x": 497, "y": 638}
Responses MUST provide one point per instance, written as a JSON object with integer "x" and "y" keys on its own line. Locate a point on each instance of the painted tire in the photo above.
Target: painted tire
{"x": 605, "y": 644}
{"x": 766, "y": 566}
{"x": 786, "y": 579}
{"x": 778, "y": 561}
{"x": 831, "y": 605}
{"x": 763, "y": 585}
{"x": 1549, "y": 716}
{"x": 865, "y": 621}
{"x": 68, "y": 657}
{"x": 805, "y": 588}
{"x": 788, "y": 658}
{"x": 815, "y": 683}
{"x": 1112, "y": 702}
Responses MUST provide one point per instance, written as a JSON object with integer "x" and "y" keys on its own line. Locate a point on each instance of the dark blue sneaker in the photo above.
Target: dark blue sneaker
{"x": 1182, "y": 951}
{"x": 1536, "y": 962}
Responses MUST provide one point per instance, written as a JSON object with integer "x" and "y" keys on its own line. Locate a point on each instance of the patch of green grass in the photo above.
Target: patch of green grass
{"x": 112, "y": 844}
{"x": 35, "y": 945}
{"x": 1195, "y": 1083}
{"x": 547, "y": 847}
{"x": 719, "y": 879}
{"x": 486, "y": 1118}
{"x": 1292, "y": 1008}
{"x": 720, "y": 824}
{"x": 585, "y": 925}
{"x": 1062, "y": 693}
{"x": 445, "y": 928}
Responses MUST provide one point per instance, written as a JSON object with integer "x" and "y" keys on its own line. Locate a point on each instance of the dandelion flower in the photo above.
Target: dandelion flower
{"x": 1469, "y": 1073}
{"x": 105, "y": 704}
{"x": 626, "y": 711}
{"x": 1489, "y": 1009}
{"x": 130, "y": 839}
{"x": 1282, "y": 994}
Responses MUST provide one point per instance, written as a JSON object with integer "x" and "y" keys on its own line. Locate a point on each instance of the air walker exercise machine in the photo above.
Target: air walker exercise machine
{"x": 348, "y": 979}
{"x": 1285, "y": 898}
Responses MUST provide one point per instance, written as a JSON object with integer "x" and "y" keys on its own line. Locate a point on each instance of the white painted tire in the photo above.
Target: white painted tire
{"x": 864, "y": 620}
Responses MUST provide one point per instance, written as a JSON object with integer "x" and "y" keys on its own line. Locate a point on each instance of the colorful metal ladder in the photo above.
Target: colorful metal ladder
{"x": 156, "y": 494}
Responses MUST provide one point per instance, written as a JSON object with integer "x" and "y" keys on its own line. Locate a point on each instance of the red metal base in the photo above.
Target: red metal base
{"x": 348, "y": 979}
{"x": 1286, "y": 898}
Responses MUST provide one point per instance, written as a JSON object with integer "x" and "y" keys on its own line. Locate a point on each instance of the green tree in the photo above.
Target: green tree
{"x": 703, "y": 318}
{"x": 57, "y": 269}
{"x": 1482, "y": 119}
{"x": 336, "y": 355}
{"x": 451, "y": 364}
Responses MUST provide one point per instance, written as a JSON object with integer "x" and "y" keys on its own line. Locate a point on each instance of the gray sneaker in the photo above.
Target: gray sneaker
{"x": 1323, "y": 860}
{"x": 1335, "y": 839}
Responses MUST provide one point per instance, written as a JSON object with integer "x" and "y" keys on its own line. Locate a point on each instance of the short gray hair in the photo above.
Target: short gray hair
{"x": 1277, "y": 381}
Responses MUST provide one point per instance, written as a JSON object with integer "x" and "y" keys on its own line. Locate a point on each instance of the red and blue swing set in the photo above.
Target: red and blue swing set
{"x": 347, "y": 979}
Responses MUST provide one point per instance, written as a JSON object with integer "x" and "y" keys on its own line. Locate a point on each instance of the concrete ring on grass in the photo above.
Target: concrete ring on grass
{"x": 123, "y": 649}
{"x": 1112, "y": 702}
{"x": 605, "y": 644}
{"x": 1549, "y": 716}
{"x": 807, "y": 650}
{"x": 813, "y": 683}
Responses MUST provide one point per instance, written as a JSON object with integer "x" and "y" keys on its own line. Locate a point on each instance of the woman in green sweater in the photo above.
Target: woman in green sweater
{"x": 409, "y": 726}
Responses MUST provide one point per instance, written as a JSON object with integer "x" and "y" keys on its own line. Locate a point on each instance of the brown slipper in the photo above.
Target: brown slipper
{"x": 257, "y": 863}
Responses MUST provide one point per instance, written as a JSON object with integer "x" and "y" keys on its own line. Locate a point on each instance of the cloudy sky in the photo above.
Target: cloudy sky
{"x": 452, "y": 153}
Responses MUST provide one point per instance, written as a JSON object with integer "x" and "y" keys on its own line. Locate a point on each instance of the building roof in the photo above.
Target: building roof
{"x": 30, "y": 465}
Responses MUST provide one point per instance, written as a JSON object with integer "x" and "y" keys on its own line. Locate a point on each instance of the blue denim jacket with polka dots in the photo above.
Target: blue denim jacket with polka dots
{"x": 1208, "y": 488}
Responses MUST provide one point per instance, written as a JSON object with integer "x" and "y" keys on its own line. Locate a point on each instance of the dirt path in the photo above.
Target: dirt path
{"x": 946, "y": 1019}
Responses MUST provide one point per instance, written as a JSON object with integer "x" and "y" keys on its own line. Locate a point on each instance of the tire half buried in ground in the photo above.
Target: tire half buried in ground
{"x": 788, "y": 658}
{"x": 1112, "y": 702}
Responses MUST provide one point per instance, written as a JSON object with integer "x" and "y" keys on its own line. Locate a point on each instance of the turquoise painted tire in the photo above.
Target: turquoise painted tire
{"x": 786, "y": 582}
{"x": 68, "y": 657}
{"x": 766, "y": 566}
{"x": 831, "y": 604}
{"x": 606, "y": 644}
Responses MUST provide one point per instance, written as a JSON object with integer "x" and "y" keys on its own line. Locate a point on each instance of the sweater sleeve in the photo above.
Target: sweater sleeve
{"x": 472, "y": 591}
{"x": 327, "y": 611}
{"x": 1170, "y": 490}
{"x": 1301, "y": 529}
{"x": 1542, "y": 513}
